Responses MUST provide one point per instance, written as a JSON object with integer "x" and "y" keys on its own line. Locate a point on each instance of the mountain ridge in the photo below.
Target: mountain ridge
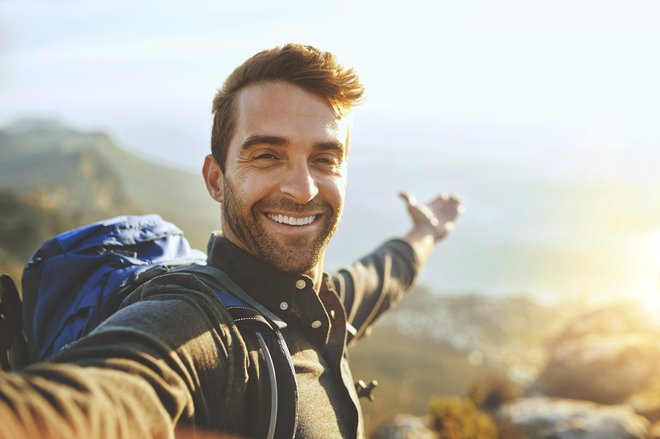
{"x": 88, "y": 169}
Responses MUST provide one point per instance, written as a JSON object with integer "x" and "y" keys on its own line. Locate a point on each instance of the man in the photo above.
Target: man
{"x": 172, "y": 355}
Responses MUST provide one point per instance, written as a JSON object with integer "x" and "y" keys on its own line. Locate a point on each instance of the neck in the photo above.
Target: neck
{"x": 315, "y": 272}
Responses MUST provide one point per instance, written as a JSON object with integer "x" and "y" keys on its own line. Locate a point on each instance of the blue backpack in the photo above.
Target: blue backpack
{"x": 77, "y": 279}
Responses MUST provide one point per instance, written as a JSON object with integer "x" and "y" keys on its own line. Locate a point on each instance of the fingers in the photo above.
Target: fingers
{"x": 444, "y": 199}
{"x": 454, "y": 197}
{"x": 457, "y": 200}
{"x": 448, "y": 199}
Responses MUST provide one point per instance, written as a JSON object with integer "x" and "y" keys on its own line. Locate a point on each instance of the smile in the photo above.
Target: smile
{"x": 292, "y": 221}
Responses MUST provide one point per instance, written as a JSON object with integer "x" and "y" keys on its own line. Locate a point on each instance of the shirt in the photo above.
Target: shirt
{"x": 172, "y": 357}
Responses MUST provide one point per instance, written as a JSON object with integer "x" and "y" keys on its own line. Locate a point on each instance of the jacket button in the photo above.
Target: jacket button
{"x": 316, "y": 324}
{"x": 284, "y": 306}
{"x": 300, "y": 284}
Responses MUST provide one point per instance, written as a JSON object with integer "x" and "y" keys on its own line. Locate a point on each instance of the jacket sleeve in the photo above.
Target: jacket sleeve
{"x": 375, "y": 283}
{"x": 152, "y": 366}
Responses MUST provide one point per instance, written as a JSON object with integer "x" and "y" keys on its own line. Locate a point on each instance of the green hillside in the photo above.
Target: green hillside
{"x": 53, "y": 178}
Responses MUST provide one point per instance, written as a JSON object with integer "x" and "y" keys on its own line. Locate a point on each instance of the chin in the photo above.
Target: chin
{"x": 292, "y": 259}
{"x": 297, "y": 267}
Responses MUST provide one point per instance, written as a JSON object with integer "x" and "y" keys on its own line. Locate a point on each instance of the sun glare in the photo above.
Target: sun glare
{"x": 645, "y": 268}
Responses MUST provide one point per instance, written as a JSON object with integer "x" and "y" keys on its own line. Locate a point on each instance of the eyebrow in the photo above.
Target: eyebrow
{"x": 328, "y": 146}
{"x": 282, "y": 141}
{"x": 263, "y": 140}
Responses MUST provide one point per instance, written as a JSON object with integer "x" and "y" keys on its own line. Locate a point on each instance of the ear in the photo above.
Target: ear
{"x": 213, "y": 178}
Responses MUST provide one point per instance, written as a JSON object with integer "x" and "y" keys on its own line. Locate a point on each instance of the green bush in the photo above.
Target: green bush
{"x": 491, "y": 391}
{"x": 457, "y": 418}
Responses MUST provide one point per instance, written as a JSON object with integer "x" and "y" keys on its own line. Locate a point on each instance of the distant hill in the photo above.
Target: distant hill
{"x": 53, "y": 178}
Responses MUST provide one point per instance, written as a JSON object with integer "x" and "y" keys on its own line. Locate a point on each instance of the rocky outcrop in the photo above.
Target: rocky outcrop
{"x": 647, "y": 403}
{"x": 403, "y": 426}
{"x": 604, "y": 357}
{"x": 599, "y": 381}
{"x": 548, "y": 418}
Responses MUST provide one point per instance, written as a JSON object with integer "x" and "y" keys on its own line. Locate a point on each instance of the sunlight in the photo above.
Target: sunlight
{"x": 645, "y": 264}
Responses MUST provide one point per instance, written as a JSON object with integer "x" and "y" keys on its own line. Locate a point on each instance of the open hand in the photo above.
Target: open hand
{"x": 435, "y": 218}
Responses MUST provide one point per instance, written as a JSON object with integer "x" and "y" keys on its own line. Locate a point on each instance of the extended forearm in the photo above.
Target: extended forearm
{"x": 138, "y": 375}
{"x": 377, "y": 281}
{"x": 66, "y": 401}
{"x": 422, "y": 243}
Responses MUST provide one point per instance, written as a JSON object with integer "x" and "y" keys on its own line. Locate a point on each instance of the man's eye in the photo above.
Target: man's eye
{"x": 330, "y": 161}
{"x": 266, "y": 156}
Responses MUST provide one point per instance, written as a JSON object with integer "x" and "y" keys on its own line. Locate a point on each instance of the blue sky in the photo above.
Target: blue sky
{"x": 544, "y": 114}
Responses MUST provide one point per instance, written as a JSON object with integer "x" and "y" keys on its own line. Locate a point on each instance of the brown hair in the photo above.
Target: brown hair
{"x": 305, "y": 66}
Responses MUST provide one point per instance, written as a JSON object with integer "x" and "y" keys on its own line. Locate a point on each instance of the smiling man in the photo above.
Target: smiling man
{"x": 280, "y": 143}
{"x": 173, "y": 355}
{"x": 284, "y": 176}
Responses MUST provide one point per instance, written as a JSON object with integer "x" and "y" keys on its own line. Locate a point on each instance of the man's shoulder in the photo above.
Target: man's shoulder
{"x": 180, "y": 300}
{"x": 178, "y": 286}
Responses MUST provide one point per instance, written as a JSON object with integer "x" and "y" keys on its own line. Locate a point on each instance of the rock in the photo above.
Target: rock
{"x": 551, "y": 418}
{"x": 647, "y": 403}
{"x": 603, "y": 357}
{"x": 655, "y": 431}
{"x": 616, "y": 319}
{"x": 601, "y": 368}
{"x": 403, "y": 427}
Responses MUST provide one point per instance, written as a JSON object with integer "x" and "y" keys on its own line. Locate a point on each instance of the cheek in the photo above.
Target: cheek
{"x": 334, "y": 191}
{"x": 251, "y": 188}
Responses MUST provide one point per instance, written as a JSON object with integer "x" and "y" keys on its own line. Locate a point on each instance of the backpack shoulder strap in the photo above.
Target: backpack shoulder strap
{"x": 220, "y": 282}
{"x": 13, "y": 349}
{"x": 244, "y": 310}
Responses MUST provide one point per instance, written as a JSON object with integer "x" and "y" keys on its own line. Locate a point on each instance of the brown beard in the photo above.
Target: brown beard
{"x": 298, "y": 254}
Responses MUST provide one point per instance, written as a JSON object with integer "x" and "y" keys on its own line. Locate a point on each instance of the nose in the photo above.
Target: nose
{"x": 299, "y": 184}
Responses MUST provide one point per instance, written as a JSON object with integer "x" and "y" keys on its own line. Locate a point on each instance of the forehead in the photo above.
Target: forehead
{"x": 286, "y": 110}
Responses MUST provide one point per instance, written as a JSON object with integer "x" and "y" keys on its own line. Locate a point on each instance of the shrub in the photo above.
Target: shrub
{"x": 491, "y": 391}
{"x": 456, "y": 418}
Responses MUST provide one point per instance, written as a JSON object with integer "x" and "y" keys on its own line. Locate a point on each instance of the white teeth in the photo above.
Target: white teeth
{"x": 292, "y": 221}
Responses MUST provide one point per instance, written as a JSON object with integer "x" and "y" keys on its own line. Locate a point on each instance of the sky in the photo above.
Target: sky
{"x": 149, "y": 72}
{"x": 544, "y": 114}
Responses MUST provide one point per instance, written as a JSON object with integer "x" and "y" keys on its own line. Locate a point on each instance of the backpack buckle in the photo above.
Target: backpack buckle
{"x": 365, "y": 390}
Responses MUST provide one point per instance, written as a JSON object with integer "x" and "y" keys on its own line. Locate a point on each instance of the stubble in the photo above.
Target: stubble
{"x": 293, "y": 254}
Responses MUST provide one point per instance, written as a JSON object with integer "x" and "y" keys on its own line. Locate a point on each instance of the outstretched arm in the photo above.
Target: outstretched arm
{"x": 163, "y": 362}
{"x": 431, "y": 221}
{"x": 380, "y": 279}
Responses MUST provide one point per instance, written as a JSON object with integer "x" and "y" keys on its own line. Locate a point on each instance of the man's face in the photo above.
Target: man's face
{"x": 285, "y": 175}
